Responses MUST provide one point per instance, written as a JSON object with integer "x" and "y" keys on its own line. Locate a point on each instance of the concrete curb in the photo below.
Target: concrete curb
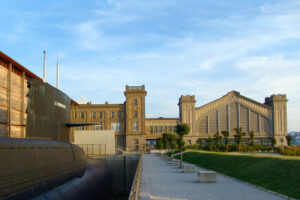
{"x": 145, "y": 192}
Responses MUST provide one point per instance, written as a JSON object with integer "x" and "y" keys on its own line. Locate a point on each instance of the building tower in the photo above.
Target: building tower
{"x": 187, "y": 110}
{"x": 135, "y": 117}
{"x": 278, "y": 103}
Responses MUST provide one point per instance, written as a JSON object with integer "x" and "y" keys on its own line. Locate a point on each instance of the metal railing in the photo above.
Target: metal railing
{"x": 94, "y": 150}
{"x": 135, "y": 188}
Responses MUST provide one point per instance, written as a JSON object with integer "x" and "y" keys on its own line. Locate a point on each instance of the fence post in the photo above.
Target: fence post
{"x": 87, "y": 150}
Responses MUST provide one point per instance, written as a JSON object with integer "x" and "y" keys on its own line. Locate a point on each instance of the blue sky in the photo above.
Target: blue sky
{"x": 206, "y": 48}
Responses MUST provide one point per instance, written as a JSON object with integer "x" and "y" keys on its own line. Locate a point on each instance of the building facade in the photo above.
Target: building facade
{"x": 133, "y": 131}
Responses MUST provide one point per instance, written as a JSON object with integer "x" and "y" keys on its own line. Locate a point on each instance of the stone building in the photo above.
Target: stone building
{"x": 133, "y": 131}
{"x": 232, "y": 111}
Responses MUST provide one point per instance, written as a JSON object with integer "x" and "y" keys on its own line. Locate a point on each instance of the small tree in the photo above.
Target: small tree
{"x": 180, "y": 143}
{"x": 273, "y": 141}
{"x": 169, "y": 140}
{"x": 182, "y": 129}
{"x": 226, "y": 136}
{"x": 251, "y": 134}
{"x": 200, "y": 143}
{"x": 159, "y": 143}
{"x": 289, "y": 139}
{"x": 173, "y": 141}
{"x": 209, "y": 143}
{"x": 165, "y": 141}
{"x": 218, "y": 140}
{"x": 238, "y": 136}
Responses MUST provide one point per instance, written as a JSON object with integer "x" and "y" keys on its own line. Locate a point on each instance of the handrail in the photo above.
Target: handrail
{"x": 135, "y": 188}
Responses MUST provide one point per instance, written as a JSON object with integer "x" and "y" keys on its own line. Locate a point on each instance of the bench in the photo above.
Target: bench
{"x": 188, "y": 168}
{"x": 175, "y": 162}
{"x": 206, "y": 176}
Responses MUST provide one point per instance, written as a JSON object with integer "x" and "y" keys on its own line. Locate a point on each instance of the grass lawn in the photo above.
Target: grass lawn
{"x": 274, "y": 173}
{"x": 174, "y": 152}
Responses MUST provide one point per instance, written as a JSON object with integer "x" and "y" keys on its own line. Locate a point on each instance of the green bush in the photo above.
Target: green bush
{"x": 233, "y": 147}
{"x": 159, "y": 144}
{"x": 244, "y": 148}
{"x": 289, "y": 151}
{"x": 194, "y": 146}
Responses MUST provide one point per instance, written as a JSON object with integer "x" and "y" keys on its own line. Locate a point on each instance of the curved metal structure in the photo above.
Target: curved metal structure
{"x": 96, "y": 183}
{"x": 31, "y": 166}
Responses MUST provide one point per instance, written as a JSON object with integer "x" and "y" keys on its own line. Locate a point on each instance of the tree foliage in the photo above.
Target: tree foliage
{"x": 218, "y": 141}
{"x": 289, "y": 139}
{"x": 238, "y": 136}
{"x": 226, "y": 138}
{"x": 251, "y": 137}
{"x": 182, "y": 129}
{"x": 169, "y": 140}
{"x": 273, "y": 141}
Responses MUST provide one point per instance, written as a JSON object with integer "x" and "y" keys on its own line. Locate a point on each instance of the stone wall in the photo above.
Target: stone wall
{"x": 96, "y": 142}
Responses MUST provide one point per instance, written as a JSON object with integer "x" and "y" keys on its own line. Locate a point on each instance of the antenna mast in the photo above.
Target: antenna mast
{"x": 44, "y": 77}
{"x": 57, "y": 72}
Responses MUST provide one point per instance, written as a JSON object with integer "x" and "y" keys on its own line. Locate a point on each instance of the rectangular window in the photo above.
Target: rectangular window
{"x": 164, "y": 129}
{"x": 100, "y": 114}
{"x": 112, "y": 114}
{"x": 159, "y": 129}
{"x": 116, "y": 126}
{"x": 151, "y": 129}
{"x": 189, "y": 142}
{"x": 135, "y": 114}
{"x": 75, "y": 115}
{"x": 136, "y": 142}
{"x": 98, "y": 126}
{"x": 82, "y": 115}
{"x": 135, "y": 126}
{"x": 94, "y": 115}
{"x": 119, "y": 114}
{"x": 135, "y": 102}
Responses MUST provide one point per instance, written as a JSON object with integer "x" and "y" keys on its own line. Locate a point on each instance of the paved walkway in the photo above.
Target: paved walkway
{"x": 168, "y": 182}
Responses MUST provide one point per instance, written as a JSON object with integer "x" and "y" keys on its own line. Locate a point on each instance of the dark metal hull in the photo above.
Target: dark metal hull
{"x": 48, "y": 112}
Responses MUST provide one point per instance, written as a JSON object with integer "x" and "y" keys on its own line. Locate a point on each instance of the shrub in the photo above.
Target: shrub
{"x": 159, "y": 144}
{"x": 233, "y": 147}
{"x": 244, "y": 148}
{"x": 289, "y": 151}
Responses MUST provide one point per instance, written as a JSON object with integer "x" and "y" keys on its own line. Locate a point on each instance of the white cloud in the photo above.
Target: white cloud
{"x": 274, "y": 64}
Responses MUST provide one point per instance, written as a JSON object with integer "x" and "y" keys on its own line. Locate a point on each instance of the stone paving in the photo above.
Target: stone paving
{"x": 166, "y": 181}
